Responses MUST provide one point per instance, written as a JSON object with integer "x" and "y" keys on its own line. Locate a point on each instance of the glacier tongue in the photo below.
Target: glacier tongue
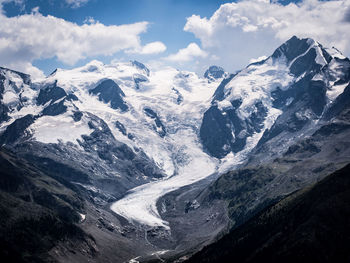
{"x": 140, "y": 204}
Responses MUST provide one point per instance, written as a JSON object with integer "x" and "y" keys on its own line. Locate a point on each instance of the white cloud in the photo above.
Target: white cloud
{"x": 26, "y": 38}
{"x": 90, "y": 20}
{"x": 237, "y": 32}
{"x": 76, "y": 3}
{"x": 35, "y": 9}
{"x": 189, "y": 53}
{"x": 151, "y": 48}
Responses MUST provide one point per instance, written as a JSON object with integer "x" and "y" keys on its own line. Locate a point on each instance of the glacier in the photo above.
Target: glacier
{"x": 164, "y": 115}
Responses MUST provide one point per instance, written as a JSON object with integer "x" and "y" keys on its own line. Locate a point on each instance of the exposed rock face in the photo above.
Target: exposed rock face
{"x": 310, "y": 225}
{"x": 39, "y": 212}
{"x": 214, "y": 72}
{"x": 109, "y": 92}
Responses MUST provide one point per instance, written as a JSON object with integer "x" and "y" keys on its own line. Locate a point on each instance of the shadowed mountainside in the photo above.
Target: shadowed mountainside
{"x": 311, "y": 225}
{"x": 37, "y": 213}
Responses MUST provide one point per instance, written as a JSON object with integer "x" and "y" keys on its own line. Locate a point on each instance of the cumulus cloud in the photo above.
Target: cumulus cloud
{"x": 189, "y": 53}
{"x": 150, "y": 48}
{"x": 25, "y": 38}
{"x": 237, "y": 32}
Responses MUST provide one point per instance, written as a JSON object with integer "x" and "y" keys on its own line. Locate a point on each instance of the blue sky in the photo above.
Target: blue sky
{"x": 40, "y": 35}
{"x": 167, "y": 18}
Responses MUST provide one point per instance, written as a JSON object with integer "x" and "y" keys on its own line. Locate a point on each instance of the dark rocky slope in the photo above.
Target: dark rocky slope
{"x": 311, "y": 225}
{"x": 47, "y": 218}
{"x": 37, "y": 213}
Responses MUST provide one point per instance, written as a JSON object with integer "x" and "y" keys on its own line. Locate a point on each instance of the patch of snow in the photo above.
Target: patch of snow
{"x": 289, "y": 101}
{"x": 335, "y": 53}
{"x": 195, "y": 204}
{"x": 335, "y": 91}
{"x": 62, "y": 128}
{"x": 335, "y": 72}
{"x": 318, "y": 77}
{"x": 82, "y": 217}
{"x": 255, "y": 83}
{"x": 12, "y": 76}
{"x": 10, "y": 97}
{"x": 224, "y": 105}
{"x": 12, "y": 86}
{"x": 259, "y": 59}
{"x": 320, "y": 59}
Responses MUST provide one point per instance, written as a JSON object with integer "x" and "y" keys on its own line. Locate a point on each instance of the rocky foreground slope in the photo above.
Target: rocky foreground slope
{"x": 310, "y": 225}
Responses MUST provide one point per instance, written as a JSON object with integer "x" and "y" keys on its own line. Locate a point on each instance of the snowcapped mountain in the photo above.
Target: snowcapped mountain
{"x": 287, "y": 93}
{"x": 125, "y": 135}
{"x": 120, "y": 124}
{"x": 158, "y": 112}
{"x": 214, "y": 73}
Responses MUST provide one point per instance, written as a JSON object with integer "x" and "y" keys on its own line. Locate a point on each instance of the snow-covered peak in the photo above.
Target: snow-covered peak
{"x": 289, "y": 63}
{"x": 214, "y": 73}
{"x": 141, "y": 66}
{"x": 335, "y": 53}
{"x": 255, "y": 83}
{"x": 148, "y": 110}
{"x": 299, "y": 72}
{"x": 88, "y": 76}
{"x": 292, "y": 48}
{"x": 17, "y": 77}
{"x": 132, "y": 77}
{"x": 302, "y": 55}
{"x": 15, "y": 89}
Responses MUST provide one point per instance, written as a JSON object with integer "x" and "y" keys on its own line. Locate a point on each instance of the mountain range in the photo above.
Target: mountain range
{"x": 121, "y": 163}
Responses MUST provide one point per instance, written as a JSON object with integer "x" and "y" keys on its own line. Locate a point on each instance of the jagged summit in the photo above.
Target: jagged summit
{"x": 303, "y": 55}
{"x": 53, "y": 72}
{"x": 25, "y": 77}
{"x": 141, "y": 66}
{"x": 214, "y": 72}
{"x": 292, "y": 48}
{"x": 109, "y": 92}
